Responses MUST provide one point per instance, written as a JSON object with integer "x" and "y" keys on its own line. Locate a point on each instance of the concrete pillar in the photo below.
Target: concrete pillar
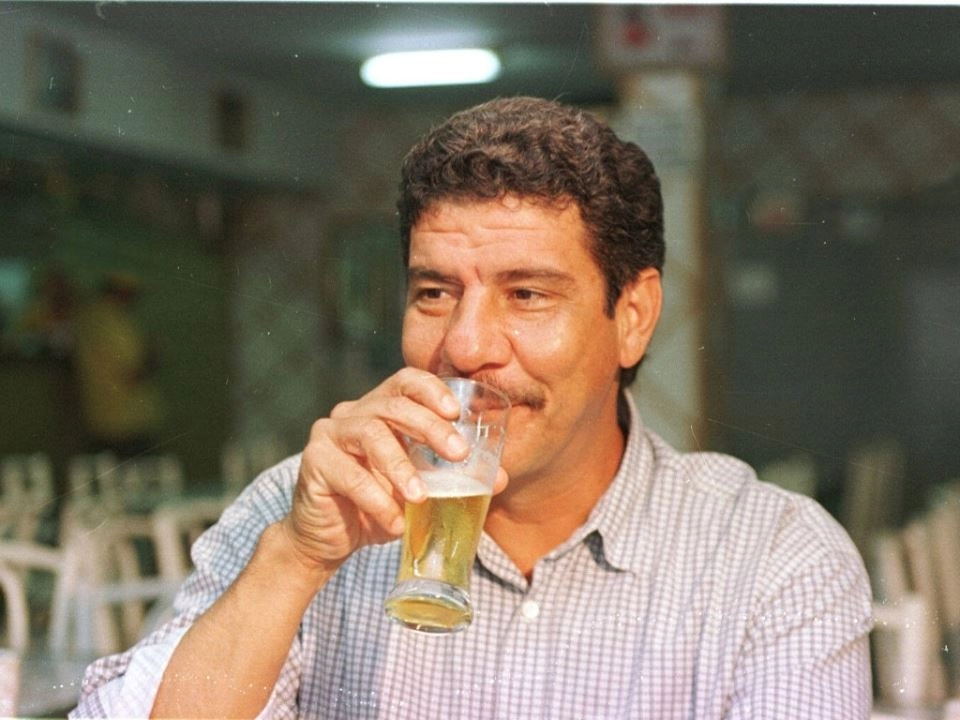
{"x": 663, "y": 111}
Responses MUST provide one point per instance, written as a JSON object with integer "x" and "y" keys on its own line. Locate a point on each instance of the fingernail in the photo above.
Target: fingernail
{"x": 414, "y": 488}
{"x": 450, "y": 404}
{"x": 456, "y": 445}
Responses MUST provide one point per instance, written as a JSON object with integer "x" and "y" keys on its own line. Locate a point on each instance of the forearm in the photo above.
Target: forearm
{"x": 228, "y": 662}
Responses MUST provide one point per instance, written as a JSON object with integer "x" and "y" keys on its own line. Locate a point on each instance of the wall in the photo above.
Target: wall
{"x": 833, "y": 264}
{"x": 86, "y": 216}
{"x": 122, "y": 181}
{"x": 254, "y": 308}
{"x": 790, "y": 172}
{"x": 135, "y": 99}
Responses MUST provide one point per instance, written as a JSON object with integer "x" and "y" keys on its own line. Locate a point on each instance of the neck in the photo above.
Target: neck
{"x": 533, "y": 516}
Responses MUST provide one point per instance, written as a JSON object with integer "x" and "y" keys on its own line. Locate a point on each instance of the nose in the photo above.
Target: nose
{"x": 475, "y": 339}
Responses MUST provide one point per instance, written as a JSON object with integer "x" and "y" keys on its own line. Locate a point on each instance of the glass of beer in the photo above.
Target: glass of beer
{"x": 432, "y": 593}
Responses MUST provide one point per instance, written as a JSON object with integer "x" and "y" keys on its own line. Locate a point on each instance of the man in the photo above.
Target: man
{"x": 616, "y": 578}
{"x": 116, "y": 368}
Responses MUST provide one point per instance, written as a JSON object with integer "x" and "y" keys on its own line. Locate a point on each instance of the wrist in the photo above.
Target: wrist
{"x": 278, "y": 549}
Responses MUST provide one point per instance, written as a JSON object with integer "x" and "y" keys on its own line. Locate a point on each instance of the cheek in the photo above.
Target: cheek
{"x": 582, "y": 356}
{"x": 418, "y": 342}
{"x": 553, "y": 345}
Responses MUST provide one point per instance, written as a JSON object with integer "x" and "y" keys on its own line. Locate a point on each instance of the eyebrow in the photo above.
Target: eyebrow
{"x": 419, "y": 273}
{"x": 548, "y": 275}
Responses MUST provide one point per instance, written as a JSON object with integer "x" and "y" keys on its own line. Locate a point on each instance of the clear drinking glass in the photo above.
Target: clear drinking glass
{"x": 432, "y": 593}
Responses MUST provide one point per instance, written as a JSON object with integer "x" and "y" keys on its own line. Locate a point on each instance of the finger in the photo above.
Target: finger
{"x": 420, "y": 386}
{"x": 404, "y": 416}
{"x": 429, "y": 390}
{"x": 373, "y": 442}
{"x": 333, "y": 472}
{"x": 500, "y": 483}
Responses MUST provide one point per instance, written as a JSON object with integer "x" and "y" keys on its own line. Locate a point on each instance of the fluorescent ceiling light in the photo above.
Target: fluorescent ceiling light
{"x": 431, "y": 67}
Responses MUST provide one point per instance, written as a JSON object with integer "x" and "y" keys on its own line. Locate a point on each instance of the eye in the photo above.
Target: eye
{"x": 429, "y": 293}
{"x": 525, "y": 298}
{"x": 526, "y": 294}
{"x": 430, "y": 298}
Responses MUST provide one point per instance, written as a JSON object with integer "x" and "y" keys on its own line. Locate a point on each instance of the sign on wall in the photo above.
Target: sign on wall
{"x": 636, "y": 36}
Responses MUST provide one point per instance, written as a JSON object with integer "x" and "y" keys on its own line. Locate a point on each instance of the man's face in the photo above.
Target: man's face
{"x": 506, "y": 291}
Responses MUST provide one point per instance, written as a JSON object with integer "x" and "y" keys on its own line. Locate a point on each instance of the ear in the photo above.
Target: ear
{"x": 637, "y": 313}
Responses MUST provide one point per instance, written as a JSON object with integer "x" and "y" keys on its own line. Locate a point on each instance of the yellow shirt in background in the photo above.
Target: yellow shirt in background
{"x": 119, "y": 397}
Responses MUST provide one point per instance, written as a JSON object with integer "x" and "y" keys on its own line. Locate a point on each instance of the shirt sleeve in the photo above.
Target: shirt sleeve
{"x": 125, "y": 685}
{"x": 807, "y": 653}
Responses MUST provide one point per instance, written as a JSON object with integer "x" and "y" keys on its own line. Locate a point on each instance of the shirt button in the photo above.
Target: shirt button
{"x": 530, "y": 609}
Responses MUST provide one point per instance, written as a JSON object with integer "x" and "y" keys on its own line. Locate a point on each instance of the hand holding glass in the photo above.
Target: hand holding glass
{"x": 440, "y": 541}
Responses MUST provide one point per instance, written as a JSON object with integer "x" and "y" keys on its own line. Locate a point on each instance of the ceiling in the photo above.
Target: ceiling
{"x": 547, "y": 49}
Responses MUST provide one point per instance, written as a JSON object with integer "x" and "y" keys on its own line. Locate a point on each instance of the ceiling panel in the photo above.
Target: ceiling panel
{"x": 548, "y": 49}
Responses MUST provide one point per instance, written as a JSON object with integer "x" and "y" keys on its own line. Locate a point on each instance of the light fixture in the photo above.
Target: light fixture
{"x": 431, "y": 67}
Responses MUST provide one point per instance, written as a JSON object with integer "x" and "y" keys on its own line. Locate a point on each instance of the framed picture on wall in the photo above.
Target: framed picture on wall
{"x": 53, "y": 69}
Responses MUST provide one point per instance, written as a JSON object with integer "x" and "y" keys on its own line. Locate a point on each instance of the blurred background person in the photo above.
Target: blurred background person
{"x": 116, "y": 367}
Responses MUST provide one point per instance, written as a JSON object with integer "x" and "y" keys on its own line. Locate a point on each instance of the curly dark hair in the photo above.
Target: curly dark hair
{"x": 537, "y": 148}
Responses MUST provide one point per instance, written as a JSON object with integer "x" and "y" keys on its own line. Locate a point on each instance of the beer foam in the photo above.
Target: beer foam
{"x": 448, "y": 483}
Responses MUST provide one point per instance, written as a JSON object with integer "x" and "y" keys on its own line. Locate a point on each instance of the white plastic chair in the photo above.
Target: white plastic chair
{"x": 943, "y": 524}
{"x": 874, "y": 490}
{"x": 118, "y": 609}
{"x": 82, "y": 624}
{"x": 110, "y": 513}
{"x": 92, "y": 481}
{"x": 907, "y": 644}
{"x": 17, "y": 559}
{"x": 176, "y": 526}
{"x": 26, "y": 494}
{"x": 901, "y": 643}
{"x": 49, "y": 667}
{"x": 147, "y": 481}
{"x": 116, "y": 487}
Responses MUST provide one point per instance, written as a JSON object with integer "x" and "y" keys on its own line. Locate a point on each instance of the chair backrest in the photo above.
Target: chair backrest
{"x": 874, "y": 490}
{"x": 921, "y": 562}
{"x": 26, "y": 494}
{"x": 113, "y": 486}
{"x": 17, "y": 559}
{"x": 100, "y": 630}
{"x": 901, "y": 643}
{"x": 82, "y": 619}
{"x": 150, "y": 480}
{"x": 176, "y": 526}
{"x": 81, "y": 622}
{"x": 944, "y": 534}
{"x": 93, "y": 482}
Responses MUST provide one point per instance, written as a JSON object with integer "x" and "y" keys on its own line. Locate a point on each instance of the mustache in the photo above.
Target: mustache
{"x": 533, "y": 398}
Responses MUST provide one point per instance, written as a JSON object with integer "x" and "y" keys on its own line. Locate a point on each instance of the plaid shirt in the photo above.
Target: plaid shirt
{"x": 693, "y": 591}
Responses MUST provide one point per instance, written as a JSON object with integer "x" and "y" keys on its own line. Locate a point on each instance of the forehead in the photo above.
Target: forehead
{"x": 506, "y": 223}
{"x": 505, "y": 241}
